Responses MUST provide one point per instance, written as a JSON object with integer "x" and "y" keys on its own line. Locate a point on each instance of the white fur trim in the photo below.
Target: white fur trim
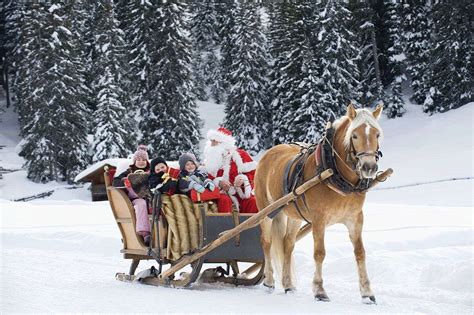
{"x": 244, "y": 194}
{"x": 241, "y": 166}
{"x": 219, "y": 136}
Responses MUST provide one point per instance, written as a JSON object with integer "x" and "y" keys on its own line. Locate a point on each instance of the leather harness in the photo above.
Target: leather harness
{"x": 325, "y": 159}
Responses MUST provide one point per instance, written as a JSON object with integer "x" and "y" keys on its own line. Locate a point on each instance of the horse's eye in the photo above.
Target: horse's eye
{"x": 378, "y": 135}
{"x": 354, "y": 137}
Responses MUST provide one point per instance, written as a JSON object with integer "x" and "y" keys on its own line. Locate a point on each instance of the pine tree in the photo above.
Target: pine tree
{"x": 336, "y": 53}
{"x": 226, "y": 14}
{"x": 363, "y": 25}
{"x": 113, "y": 136}
{"x": 395, "y": 105}
{"x": 450, "y": 75}
{"x": 172, "y": 125}
{"x": 55, "y": 143}
{"x": 417, "y": 30}
{"x": 247, "y": 114}
{"x": 205, "y": 39}
{"x": 140, "y": 20}
{"x": 291, "y": 37}
{"x": 381, "y": 20}
{"x": 15, "y": 45}
{"x": 310, "y": 118}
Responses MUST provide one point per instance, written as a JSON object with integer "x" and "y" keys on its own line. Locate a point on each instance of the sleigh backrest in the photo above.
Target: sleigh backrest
{"x": 124, "y": 215}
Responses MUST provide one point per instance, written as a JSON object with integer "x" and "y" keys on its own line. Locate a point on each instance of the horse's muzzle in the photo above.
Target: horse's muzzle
{"x": 368, "y": 170}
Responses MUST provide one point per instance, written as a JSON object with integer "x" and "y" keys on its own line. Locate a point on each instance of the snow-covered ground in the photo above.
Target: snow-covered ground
{"x": 60, "y": 254}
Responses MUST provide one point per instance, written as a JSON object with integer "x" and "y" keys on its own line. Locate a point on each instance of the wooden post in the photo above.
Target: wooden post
{"x": 252, "y": 221}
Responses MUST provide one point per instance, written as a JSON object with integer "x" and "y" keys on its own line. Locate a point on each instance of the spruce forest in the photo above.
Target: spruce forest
{"x": 92, "y": 79}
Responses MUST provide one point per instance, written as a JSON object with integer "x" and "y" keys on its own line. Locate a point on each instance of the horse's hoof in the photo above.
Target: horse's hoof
{"x": 369, "y": 300}
{"x": 322, "y": 297}
{"x": 270, "y": 288}
{"x": 290, "y": 290}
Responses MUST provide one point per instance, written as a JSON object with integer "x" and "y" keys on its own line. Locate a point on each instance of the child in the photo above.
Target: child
{"x": 140, "y": 162}
{"x": 190, "y": 177}
{"x": 160, "y": 178}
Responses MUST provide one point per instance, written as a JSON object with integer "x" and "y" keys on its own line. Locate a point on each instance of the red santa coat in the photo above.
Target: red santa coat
{"x": 237, "y": 164}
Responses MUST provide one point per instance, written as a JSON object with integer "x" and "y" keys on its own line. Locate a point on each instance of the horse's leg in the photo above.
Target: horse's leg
{"x": 292, "y": 229}
{"x": 266, "y": 241}
{"x": 319, "y": 254}
{"x": 355, "y": 234}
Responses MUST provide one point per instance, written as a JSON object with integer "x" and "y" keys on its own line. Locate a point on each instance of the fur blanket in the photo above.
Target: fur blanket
{"x": 139, "y": 184}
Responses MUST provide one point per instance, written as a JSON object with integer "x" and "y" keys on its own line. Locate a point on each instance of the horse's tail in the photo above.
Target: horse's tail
{"x": 277, "y": 249}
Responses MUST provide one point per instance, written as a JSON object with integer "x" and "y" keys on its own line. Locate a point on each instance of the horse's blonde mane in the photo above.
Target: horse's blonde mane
{"x": 364, "y": 116}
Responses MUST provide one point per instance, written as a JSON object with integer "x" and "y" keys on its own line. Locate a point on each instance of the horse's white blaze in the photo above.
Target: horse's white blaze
{"x": 367, "y": 133}
{"x": 364, "y": 116}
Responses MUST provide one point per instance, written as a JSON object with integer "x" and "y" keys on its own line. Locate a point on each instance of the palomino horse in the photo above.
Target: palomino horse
{"x": 354, "y": 150}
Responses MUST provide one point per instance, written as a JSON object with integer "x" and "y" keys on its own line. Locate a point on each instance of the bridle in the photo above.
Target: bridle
{"x": 354, "y": 157}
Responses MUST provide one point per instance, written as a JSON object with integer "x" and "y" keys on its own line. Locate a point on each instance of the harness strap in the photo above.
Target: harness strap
{"x": 293, "y": 177}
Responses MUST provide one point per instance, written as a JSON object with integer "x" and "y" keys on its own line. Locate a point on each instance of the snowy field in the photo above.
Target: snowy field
{"x": 60, "y": 254}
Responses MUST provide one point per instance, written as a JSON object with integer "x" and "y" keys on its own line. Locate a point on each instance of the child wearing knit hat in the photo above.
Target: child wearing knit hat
{"x": 160, "y": 178}
{"x": 190, "y": 177}
{"x": 140, "y": 163}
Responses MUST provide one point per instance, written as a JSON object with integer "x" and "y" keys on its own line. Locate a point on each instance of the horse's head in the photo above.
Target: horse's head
{"x": 362, "y": 140}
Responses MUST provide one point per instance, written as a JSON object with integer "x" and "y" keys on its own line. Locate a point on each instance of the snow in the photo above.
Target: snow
{"x": 60, "y": 254}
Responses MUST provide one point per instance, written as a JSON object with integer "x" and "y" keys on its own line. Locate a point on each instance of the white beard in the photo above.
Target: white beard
{"x": 214, "y": 158}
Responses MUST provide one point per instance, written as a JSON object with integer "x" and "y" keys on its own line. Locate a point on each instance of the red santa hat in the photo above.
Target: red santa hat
{"x": 222, "y": 135}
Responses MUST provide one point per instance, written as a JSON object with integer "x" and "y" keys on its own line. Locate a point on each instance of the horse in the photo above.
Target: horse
{"x": 354, "y": 150}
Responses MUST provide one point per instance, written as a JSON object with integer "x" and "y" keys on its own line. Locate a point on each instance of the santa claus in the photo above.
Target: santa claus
{"x": 232, "y": 170}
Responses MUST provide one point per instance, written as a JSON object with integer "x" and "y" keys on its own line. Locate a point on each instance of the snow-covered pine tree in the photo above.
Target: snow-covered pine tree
{"x": 279, "y": 46}
{"x": 291, "y": 29}
{"x": 141, "y": 19}
{"x": 382, "y": 25}
{"x": 205, "y": 38}
{"x": 417, "y": 31}
{"x": 226, "y": 13}
{"x": 55, "y": 143}
{"x": 246, "y": 112}
{"x": 451, "y": 77}
{"x": 113, "y": 133}
{"x": 336, "y": 54}
{"x": 172, "y": 124}
{"x": 310, "y": 117}
{"x": 363, "y": 25}
{"x": 214, "y": 81}
{"x": 200, "y": 86}
{"x": 16, "y": 48}
{"x": 394, "y": 106}
{"x": 88, "y": 46}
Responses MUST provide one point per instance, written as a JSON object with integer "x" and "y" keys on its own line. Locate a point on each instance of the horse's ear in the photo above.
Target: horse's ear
{"x": 351, "y": 112}
{"x": 378, "y": 111}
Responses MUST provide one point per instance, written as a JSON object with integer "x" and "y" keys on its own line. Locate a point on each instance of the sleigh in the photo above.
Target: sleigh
{"x": 181, "y": 228}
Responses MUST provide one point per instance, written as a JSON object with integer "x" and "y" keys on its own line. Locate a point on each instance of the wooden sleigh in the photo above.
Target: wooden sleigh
{"x": 165, "y": 250}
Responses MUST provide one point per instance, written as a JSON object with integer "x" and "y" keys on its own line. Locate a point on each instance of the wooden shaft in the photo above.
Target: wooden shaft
{"x": 382, "y": 177}
{"x": 302, "y": 233}
{"x": 252, "y": 221}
